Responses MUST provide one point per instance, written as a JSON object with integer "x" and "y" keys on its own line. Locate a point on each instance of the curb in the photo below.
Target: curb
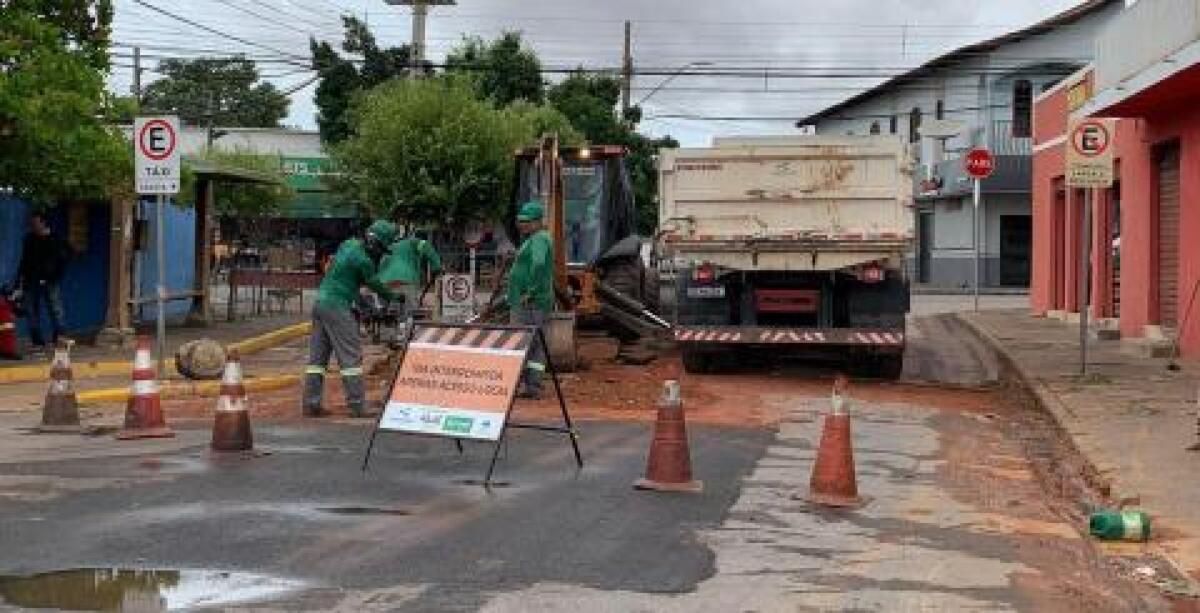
{"x": 1011, "y": 370}
{"x": 271, "y": 339}
{"x": 177, "y": 390}
{"x": 89, "y": 370}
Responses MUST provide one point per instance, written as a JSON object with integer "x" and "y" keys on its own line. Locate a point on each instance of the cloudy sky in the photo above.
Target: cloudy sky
{"x": 771, "y": 55}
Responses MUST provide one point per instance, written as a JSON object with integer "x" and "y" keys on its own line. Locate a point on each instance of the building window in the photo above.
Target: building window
{"x": 940, "y": 111}
{"x": 875, "y": 129}
{"x": 893, "y": 124}
{"x": 914, "y": 125}
{"x": 1022, "y": 113}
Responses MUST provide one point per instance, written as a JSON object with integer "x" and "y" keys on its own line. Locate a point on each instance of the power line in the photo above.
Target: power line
{"x": 212, "y": 30}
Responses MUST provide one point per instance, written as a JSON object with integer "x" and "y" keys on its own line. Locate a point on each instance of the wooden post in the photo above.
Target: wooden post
{"x": 117, "y": 317}
{"x": 201, "y": 313}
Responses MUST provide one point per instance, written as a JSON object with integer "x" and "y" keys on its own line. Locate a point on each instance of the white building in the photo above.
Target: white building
{"x": 988, "y": 88}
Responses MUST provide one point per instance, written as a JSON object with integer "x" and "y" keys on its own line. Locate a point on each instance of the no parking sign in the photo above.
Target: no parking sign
{"x": 458, "y": 297}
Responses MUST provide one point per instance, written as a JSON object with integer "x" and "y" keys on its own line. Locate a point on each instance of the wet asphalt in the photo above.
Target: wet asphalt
{"x": 301, "y": 509}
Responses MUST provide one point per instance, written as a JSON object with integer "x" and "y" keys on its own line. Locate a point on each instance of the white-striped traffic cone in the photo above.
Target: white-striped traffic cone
{"x": 143, "y": 412}
{"x": 60, "y": 412}
{"x": 231, "y": 427}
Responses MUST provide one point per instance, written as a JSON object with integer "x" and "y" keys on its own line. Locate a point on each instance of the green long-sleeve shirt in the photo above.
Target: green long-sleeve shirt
{"x": 531, "y": 282}
{"x": 349, "y": 271}
{"x": 407, "y": 259}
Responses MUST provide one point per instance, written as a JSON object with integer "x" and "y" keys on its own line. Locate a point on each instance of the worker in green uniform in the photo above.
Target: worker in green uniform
{"x": 404, "y": 267}
{"x": 531, "y": 290}
{"x": 334, "y": 328}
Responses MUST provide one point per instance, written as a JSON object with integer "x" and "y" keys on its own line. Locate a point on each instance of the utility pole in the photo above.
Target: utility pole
{"x": 420, "y": 13}
{"x": 137, "y": 75}
{"x": 627, "y": 71}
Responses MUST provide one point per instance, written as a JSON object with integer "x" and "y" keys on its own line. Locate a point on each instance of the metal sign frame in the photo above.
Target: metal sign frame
{"x": 538, "y": 335}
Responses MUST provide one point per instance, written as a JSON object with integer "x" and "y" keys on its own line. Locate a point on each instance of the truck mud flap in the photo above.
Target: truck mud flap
{"x": 741, "y": 335}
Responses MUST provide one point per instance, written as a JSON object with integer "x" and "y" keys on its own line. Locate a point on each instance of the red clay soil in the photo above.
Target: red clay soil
{"x": 608, "y": 390}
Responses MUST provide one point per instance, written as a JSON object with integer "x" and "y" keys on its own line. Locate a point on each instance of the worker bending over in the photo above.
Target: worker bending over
{"x": 531, "y": 290}
{"x": 404, "y": 268}
{"x": 334, "y": 328}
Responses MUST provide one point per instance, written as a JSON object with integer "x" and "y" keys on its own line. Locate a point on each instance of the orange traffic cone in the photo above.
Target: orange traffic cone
{"x": 833, "y": 482}
{"x": 60, "y": 412}
{"x": 231, "y": 428}
{"x": 669, "y": 467}
{"x": 143, "y": 412}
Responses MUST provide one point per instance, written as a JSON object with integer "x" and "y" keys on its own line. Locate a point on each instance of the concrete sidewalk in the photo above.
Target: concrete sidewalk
{"x": 1130, "y": 417}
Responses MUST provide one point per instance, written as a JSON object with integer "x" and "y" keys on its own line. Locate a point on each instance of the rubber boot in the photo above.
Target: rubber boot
{"x": 356, "y": 395}
{"x": 313, "y": 387}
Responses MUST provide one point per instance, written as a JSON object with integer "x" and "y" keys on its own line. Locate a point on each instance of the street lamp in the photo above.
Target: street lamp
{"x": 420, "y": 9}
{"x": 672, "y": 77}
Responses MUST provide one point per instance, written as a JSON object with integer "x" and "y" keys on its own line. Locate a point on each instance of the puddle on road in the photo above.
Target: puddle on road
{"x": 139, "y": 591}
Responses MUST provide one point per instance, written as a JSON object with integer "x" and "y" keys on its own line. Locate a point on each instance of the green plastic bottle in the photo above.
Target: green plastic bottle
{"x": 1120, "y": 525}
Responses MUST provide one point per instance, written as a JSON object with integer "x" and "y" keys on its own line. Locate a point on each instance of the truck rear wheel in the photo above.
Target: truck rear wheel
{"x": 889, "y": 367}
{"x": 697, "y": 362}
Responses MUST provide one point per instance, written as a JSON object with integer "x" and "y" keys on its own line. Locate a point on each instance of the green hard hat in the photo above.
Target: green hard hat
{"x": 383, "y": 231}
{"x": 531, "y": 211}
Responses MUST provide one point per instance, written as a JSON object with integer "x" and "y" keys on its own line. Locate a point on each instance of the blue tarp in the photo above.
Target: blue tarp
{"x": 180, "y": 240}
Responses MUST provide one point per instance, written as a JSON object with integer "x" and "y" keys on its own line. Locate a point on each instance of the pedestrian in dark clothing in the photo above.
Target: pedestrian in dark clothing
{"x": 43, "y": 261}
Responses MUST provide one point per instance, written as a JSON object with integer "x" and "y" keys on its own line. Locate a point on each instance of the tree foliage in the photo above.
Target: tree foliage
{"x": 55, "y": 140}
{"x": 342, "y": 79}
{"x": 429, "y": 151}
{"x": 224, "y": 91}
{"x": 503, "y": 70}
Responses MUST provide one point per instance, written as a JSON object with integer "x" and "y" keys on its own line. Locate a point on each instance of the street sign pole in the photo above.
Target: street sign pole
{"x": 156, "y": 173}
{"x": 160, "y": 247}
{"x": 979, "y": 164}
{"x": 975, "y": 238}
{"x": 1085, "y": 285}
{"x": 1089, "y": 166}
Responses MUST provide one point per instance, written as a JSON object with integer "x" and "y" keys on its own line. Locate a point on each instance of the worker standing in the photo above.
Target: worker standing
{"x": 531, "y": 290}
{"x": 334, "y": 328}
{"x": 404, "y": 269}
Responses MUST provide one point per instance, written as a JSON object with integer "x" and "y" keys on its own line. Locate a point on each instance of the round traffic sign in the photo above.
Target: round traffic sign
{"x": 157, "y": 140}
{"x": 458, "y": 288}
{"x": 1090, "y": 138}
{"x": 980, "y": 163}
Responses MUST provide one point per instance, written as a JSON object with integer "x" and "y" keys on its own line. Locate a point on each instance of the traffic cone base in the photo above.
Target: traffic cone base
{"x": 143, "y": 411}
{"x": 669, "y": 466}
{"x": 833, "y": 482}
{"x": 231, "y": 426}
{"x": 60, "y": 412}
{"x": 231, "y": 431}
{"x": 689, "y": 487}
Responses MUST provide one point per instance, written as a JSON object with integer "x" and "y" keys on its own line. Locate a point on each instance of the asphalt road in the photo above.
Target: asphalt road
{"x": 958, "y": 518}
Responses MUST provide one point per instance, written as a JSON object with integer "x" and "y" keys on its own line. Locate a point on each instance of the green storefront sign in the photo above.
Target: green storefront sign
{"x": 313, "y": 199}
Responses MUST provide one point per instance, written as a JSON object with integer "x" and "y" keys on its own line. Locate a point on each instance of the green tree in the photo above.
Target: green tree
{"x": 224, "y": 91}
{"x": 429, "y": 151}
{"x": 590, "y": 101}
{"x": 342, "y": 79}
{"x": 504, "y": 70}
{"x": 55, "y": 139}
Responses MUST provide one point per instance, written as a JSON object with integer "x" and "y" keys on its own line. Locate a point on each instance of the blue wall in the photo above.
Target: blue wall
{"x": 85, "y": 284}
{"x": 180, "y": 241}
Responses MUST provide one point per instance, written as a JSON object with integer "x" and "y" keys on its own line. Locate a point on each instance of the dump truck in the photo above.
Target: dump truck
{"x": 788, "y": 245}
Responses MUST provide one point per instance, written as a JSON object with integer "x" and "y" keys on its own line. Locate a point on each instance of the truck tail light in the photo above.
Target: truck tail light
{"x": 872, "y": 273}
{"x": 704, "y": 273}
